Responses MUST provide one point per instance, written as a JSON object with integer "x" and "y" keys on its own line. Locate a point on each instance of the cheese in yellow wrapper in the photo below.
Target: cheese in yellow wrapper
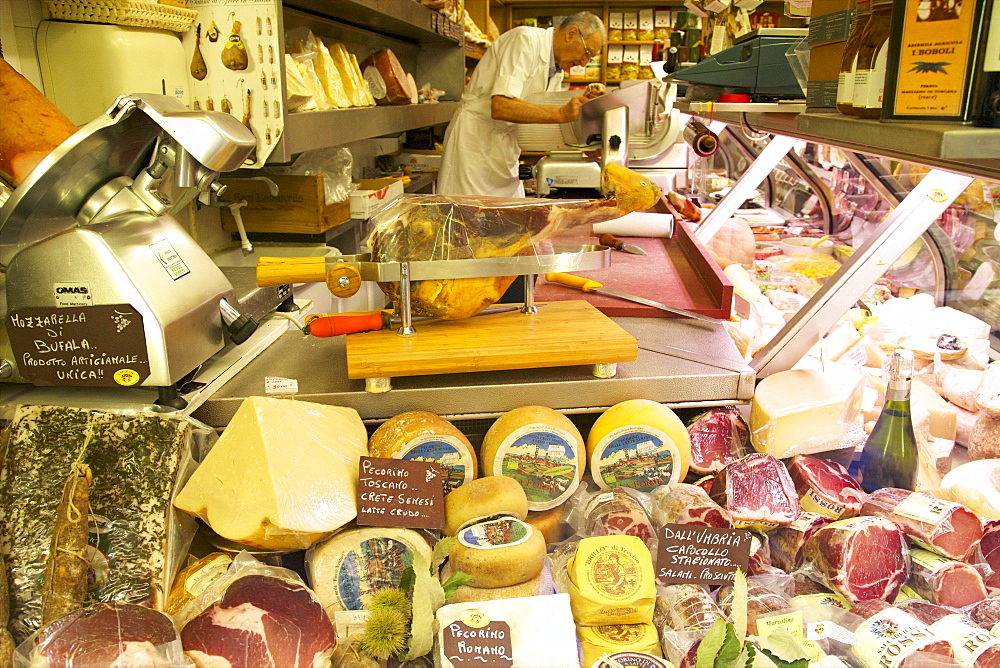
{"x": 611, "y": 581}
{"x": 597, "y": 641}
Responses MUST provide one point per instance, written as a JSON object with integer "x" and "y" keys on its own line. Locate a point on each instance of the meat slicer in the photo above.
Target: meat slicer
{"x": 101, "y": 284}
{"x": 634, "y": 126}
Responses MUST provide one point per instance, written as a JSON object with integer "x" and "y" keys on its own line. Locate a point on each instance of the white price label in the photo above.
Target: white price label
{"x": 279, "y": 385}
{"x": 821, "y": 630}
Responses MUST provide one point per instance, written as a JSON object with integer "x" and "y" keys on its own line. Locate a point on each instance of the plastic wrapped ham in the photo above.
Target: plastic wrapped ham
{"x": 680, "y": 503}
{"x": 786, "y": 542}
{"x": 718, "y": 436}
{"x": 944, "y": 581}
{"x": 948, "y": 528}
{"x": 757, "y": 491}
{"x": 890, "y": 636}
{"x": 825, "y": 487}
{"x": 990, "y": 548}
{"x": 387, "y": 79}
{"x": 434, "y": 227}
{"x": 860, "y": 558}
{"x": 117, "y": 634}
{"x": 689, "y": 607}
{"x": 972, "y": 645}
{"x": 617, "y": 512}
{"x": 761, "y": 602}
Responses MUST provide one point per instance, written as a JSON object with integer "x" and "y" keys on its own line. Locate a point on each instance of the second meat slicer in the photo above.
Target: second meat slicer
{"x": 102, "y": 286}
{"x": 635, "y": 126}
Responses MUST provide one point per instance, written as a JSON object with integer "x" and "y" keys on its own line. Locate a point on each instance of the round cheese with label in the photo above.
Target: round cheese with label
{"x": 596, "y": 641}
{"x": 481, "y": 499}
{"x": 498, "y": 553}
{"x": 465, "y": 593}
{"x": 425, "y": 437}
{"x": 541, "y": 449}
{"x": 345, "y": 569}
{"x": 640, "y": 444}
{"x": 549, "y": 523}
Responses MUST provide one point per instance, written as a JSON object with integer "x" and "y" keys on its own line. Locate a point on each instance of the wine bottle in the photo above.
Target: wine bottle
{"x": 889, "y": 458}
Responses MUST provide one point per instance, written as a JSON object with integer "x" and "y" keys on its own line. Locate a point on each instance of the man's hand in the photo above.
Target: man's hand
{"x": 571, "y": 110}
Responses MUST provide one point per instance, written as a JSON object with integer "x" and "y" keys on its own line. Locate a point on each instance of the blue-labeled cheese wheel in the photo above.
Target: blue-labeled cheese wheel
{"x": 426, "y": 437}
{"x": 640, "y": 444}
{"x": 483, "y": 499}
{"x": 541, "y": 449}
{"x": 498, "y": 553}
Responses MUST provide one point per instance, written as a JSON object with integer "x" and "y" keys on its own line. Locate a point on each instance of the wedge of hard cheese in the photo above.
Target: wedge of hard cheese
{"x": 283, "y": 474}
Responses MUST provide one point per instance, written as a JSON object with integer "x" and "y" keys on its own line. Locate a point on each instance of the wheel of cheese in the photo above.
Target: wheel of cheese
{"x": 548, "y": 522}
{"x": 501, "y": 552}
{"x": 640, "y": 444}
{"x": 346, "y": 568}
{"x": 465, "y": 593}
{"x": 425, "y": 437}
{"x": 481, "y": 499}
{"x": 597, "y": 641}
{"x": 541, "y": 449}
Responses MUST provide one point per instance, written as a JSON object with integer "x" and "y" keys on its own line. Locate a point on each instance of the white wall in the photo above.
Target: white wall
{"x": 19, "y": 21}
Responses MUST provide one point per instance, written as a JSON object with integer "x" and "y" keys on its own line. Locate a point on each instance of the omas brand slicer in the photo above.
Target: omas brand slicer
{"x": 101, "y": 285}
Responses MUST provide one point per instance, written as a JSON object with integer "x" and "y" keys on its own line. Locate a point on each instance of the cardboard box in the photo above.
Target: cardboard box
{"x": 299, "y": 208}
{"x": 824, "y": 68}
{"x": 420, "y": 161}
{"x": 373, "y": 194}
{"x": 830, "y": 21}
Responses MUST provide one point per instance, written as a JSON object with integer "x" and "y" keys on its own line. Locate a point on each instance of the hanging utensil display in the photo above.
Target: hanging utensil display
{"x": 234, "y": 53}
{"x": 199, "y": 70}
{"x": 252, "y": 158}
{"x": 210, "y": 104}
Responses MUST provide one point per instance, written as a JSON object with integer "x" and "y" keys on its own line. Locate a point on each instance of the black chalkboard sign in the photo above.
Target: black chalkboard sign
{"x": 701, "y": 555}
{"x": 400, "y": 493}
{"x": 476, "y": 641}
{"x": 102, "y": 346}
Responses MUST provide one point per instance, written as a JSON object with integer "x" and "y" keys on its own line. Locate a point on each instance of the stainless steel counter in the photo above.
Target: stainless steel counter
{"x": 665, "y": 371}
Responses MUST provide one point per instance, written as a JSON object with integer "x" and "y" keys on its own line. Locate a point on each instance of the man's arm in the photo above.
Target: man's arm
{"x": 515, "y": 110}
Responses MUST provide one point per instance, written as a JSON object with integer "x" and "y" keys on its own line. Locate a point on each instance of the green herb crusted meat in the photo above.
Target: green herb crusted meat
{"x": 136, "y": 461}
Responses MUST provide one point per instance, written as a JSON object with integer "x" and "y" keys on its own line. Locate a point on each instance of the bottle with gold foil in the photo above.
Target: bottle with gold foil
{"x": 869, "y": 76}
{"x": 889, "y": 458}
{"x": 845, "y": 80}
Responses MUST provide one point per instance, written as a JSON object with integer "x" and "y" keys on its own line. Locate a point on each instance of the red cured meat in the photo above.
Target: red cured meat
{"x": 973, "y": 646}
{"x": 952, "y": 583}
{"x": 825, "y": 487}
{"x": 945, "y": 527}
{"x": 718, "y": 436}
{"x": 930, "y": 648}
{"x": 681, "y": 503}
{"x": 990, "y": 546}
{"x": 262, "y": 622}
{"x": 617, "y": 512}
{"x": 394, "y": 86}
{"x": 786, "y": 542}
{"x": 757, "y": 491}
{"x": 986, "y": 613}
{"x": 860, "y": 558}
{"x": 103, "y": 633}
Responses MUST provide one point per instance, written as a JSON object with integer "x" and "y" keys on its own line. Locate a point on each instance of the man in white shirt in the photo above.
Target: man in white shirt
{"x": 480, "y": 145}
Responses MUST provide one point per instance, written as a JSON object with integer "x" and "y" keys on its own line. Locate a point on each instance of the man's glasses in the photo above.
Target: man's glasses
{"x": 586, "y": 49}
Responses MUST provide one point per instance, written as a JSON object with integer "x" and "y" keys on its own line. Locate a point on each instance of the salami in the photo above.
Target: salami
{"x": 690, "y": 607}
{"x": 617, "y": 512}
{"x": 761, "y": 602}
{"x": 945, "y": 527}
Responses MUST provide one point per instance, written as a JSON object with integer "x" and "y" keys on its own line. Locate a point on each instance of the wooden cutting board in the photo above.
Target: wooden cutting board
{"x": 564, "y": 333}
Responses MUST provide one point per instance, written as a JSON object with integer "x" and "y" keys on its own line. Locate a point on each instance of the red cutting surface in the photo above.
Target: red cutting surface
{"x": 667, "y": 274}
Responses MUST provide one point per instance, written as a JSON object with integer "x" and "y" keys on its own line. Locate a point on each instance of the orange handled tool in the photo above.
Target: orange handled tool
{"x": 611, "y": 241}
{"x": 347, "y": 323}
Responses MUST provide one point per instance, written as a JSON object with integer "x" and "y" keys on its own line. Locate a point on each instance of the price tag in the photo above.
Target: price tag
{"x": 476, "y": 640}
{"x": 400, "y": 493}
{"x": 701, "y": 555}
{"x": 279, "y": 385}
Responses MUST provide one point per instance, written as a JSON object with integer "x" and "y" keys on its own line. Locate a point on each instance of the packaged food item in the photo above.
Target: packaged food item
{"x": 786, "y": 542}
{"x": 138, "y": 462}
{"x": 944, "y": 581}
{"x": 630, "y": 26}
{"x": 386, "y": 79}
{"x": 617, "y": 512}
{"x": 645, "y": 32}
{"x": 541, "y": 449}
{"x": 718, "y": 436}
{"x": 825, "y": 487}
{"x": 757, "y": 491}
{"x": 761, "y": 602}
{"x": 895, "y": 637}
{"x": 947, "y": 528}
{"x": 613, "y": 72}
{"x": 615, "y": 25}
{"x": 630, "y": 62}
{"x": 194, "y": 579}
{"x": 645, "y": 61}
{"x": 249, "y": 487}
{"x": 498, "y": 553}
{"x": 426, "y": 437}
{"x": 663, "y": 25}
{"x": 597, "y": 641}
{"x": 680, "y": 503}
{"x": 611, "y": 581}
{"x": 972, "y": 645}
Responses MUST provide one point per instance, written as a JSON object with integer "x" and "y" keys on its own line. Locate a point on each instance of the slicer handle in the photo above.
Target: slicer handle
{"x": 346, "y": 323}
{"x": 282, "y": 270}
{"x": 585, "y": 284}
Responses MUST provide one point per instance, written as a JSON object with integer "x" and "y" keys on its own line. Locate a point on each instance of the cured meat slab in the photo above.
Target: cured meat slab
{"x": 860, "y": 558}
{"x": 757, "y": 491}
{"x": 719, "y": 436}
{"x": 825, "y": 487}
{"x": 947, "y": 528}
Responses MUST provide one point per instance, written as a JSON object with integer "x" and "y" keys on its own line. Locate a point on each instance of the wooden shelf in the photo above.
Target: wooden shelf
{"x": 474, "y": 51}
{"x": 636, "y": 41}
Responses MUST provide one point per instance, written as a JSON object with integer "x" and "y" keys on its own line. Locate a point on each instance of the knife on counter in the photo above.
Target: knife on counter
{"x": 590, "y": 285}
{"x": 611, "y": 241}
{"x": 335, "y": 324}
